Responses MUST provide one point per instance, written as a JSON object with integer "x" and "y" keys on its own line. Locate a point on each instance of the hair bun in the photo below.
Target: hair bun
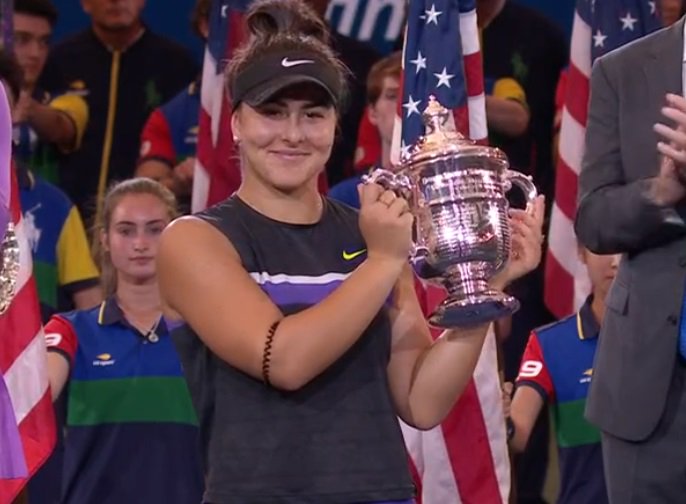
{"x": 268, "y": 18}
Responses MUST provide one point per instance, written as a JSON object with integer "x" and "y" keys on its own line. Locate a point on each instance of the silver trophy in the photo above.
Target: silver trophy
{"x": 456, "y": 191}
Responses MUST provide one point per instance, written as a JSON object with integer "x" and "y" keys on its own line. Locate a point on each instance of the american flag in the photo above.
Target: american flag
{"x": 27, "y": 423}
{"x": 465, "y": 459}
{"x": 599, "y": 27}
{"x": 217, "y": 170}
{"x": 441, "y": 57}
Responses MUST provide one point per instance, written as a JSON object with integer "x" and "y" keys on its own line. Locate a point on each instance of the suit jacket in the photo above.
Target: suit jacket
{"x": 637, "y": 349}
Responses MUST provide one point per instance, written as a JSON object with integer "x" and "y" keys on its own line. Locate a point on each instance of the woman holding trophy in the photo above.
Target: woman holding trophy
{"x": 295, "y": 317}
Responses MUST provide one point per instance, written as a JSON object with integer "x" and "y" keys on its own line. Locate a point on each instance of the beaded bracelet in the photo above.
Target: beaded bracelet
{"x": 267, "y": 353}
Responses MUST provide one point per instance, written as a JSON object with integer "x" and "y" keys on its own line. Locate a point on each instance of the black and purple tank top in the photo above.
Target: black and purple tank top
{"x": 336, "y": 440}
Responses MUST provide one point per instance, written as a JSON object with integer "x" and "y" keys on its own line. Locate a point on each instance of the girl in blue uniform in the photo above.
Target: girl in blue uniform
{"x": 132, "y": 432}
{"x": 299, "y": 328}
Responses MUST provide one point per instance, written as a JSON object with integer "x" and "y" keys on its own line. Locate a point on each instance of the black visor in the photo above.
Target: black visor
{"x": 263, "y": 78}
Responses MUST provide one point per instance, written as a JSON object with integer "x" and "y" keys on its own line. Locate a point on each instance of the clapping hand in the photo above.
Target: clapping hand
{"x": 669, "y": 186}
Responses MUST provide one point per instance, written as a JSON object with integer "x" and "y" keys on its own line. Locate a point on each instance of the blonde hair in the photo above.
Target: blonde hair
{"x": 139, "y": 185}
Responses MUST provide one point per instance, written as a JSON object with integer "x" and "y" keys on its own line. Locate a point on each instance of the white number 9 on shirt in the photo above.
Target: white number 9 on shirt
{"x": 530, "y": 369}
{"x": 53, "y": 339}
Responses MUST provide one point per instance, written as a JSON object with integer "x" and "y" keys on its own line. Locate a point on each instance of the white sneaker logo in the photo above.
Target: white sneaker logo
{"x": 286, "y": 63}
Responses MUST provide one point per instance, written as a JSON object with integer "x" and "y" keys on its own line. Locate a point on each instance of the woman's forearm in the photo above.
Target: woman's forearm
{"x": 442, "y": 372}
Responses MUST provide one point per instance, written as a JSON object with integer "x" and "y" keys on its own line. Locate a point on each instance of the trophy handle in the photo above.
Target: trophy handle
{"x": 399, "y": 184}
{"x": 524, "y": 183}
{"x": 402, "y": 186}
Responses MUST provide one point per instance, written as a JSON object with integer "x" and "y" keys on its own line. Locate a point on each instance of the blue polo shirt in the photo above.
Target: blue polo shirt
{"x": 346, "y": 191}
{"x": 558, "y": 364}
{"x": 132, "y": 431}
{"x": 62, "y": 261}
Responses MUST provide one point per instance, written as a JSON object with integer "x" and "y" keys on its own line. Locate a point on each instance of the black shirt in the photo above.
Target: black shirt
{"x": 132, "y": 83}
{"x": 523, "y": 44}
{"x": 337, "y": 439}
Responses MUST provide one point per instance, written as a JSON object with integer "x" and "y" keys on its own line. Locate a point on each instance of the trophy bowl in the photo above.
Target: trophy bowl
{"x": 456, "y": 190}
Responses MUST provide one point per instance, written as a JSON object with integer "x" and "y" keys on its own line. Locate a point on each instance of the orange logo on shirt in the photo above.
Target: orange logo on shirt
{"x": 104, "y": 359}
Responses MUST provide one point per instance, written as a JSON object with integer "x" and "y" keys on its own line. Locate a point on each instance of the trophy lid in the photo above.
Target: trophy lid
{"x": 442, "y": 139}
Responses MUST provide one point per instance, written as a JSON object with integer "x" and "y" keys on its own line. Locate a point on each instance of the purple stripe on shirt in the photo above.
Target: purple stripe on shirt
{"x": 12, "y": 461}
{"x": 283, "y": 293}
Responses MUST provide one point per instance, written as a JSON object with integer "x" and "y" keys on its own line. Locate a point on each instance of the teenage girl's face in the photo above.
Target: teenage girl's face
{"x": 134, "y": 234}
{"x": 286, "y": 142}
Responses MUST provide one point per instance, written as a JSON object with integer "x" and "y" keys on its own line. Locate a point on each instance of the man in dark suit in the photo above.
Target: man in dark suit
{"x": 633, "y": 202}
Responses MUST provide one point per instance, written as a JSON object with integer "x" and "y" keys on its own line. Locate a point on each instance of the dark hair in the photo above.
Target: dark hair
{"x": 11, "y": 73}
{"x": 138, "y": 185}
{"x": 201, "y": 12}
{"x": 278, "y": 25}
{"x": 39, "y": 8}
{"x": 390, "y": 66}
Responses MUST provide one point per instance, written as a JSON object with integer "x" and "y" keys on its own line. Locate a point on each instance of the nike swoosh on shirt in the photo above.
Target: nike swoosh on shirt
{"x": 349, "y": 256}
{"x": 286, "y": 63}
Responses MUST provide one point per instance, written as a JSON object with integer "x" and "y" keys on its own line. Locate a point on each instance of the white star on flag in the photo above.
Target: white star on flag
{"x": 419, "y": 62}
{"x": 444, "y": 78}
{"x": 404, "y": 150}
{"x": 432, "y": 15}
{"x": 599, "y": 39}
{"x": 652, "y": 7}
{"x": 628, "y": 22}
{"x": 411, "y": 106}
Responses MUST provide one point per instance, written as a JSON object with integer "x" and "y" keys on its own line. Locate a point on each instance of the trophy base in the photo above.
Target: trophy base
{"x": 474, "y": 309}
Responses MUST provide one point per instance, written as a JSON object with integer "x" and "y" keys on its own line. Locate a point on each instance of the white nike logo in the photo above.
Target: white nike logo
{"x": 286, "y": 63}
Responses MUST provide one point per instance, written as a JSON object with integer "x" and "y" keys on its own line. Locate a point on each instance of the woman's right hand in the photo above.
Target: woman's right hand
{"x": 385, "y": 223}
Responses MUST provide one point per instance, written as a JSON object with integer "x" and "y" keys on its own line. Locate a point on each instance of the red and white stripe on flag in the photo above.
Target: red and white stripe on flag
{"x": 23, "y": 365}
{"x": 566, "y": 281}
{"x": 599, "y": 27}
{"x": 466, "y": 458}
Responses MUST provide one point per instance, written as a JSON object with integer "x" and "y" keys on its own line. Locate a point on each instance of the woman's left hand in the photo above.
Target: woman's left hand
{"x": 527, "y": 243}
